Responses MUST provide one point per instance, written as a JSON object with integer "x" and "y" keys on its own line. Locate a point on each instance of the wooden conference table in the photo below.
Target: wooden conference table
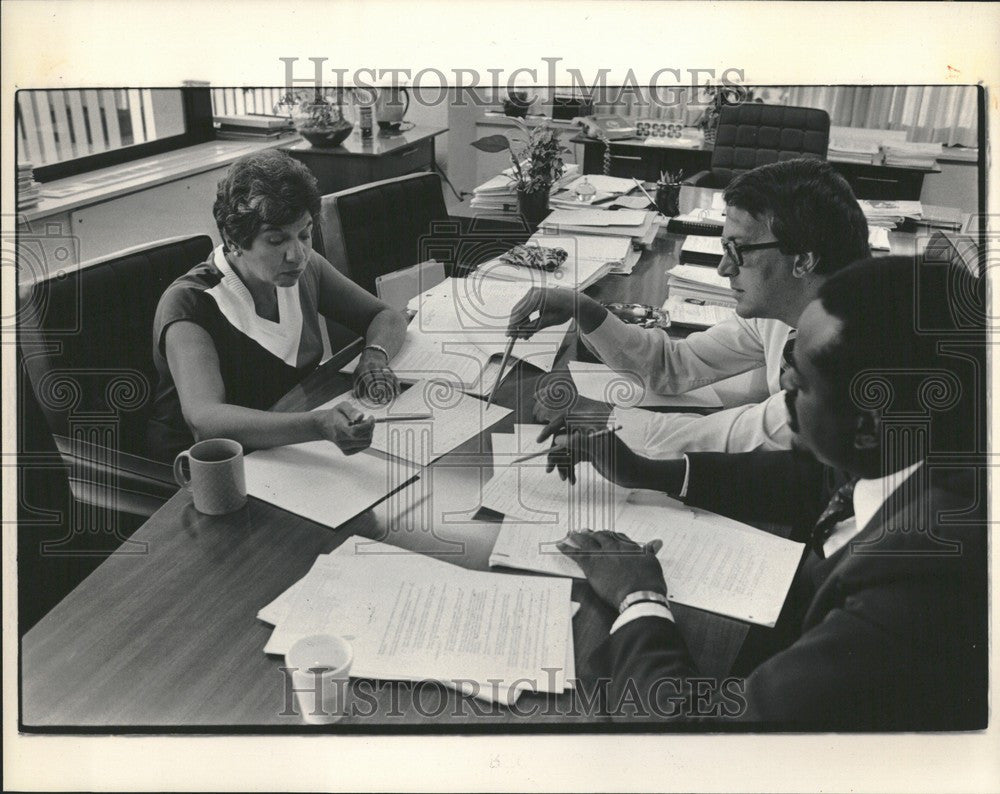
{"x": 164, "y": 633}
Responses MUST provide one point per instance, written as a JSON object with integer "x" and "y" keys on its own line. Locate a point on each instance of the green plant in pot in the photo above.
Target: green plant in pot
{"x": 537, "y": 161}
{"x": 318, "y": 115}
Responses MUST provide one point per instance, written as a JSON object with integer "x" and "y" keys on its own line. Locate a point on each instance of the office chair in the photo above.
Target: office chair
{"x": 752, "y": 134}
{"x": 86, "y": 342}
{"x": 375, "y": 229}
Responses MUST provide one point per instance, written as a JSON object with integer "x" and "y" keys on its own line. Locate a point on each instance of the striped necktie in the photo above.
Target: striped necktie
{"x": 841, "y": 507}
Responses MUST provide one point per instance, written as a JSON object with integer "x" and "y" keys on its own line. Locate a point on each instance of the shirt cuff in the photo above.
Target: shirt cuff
{"x": 644, "y": 609}
{"x": 687, "y": 473}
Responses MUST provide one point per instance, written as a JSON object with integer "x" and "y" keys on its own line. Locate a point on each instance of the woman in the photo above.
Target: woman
{"x": 237, "y": 332}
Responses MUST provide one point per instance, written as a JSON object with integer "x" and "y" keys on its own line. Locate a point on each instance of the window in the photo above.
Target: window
{"x": 66, "y": 132}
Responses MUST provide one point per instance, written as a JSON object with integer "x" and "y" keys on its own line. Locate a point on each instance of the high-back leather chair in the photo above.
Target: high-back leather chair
{"x": 87, "y": 341}
{"x": 752, "y": 135}
{"x": 381, "y": 227}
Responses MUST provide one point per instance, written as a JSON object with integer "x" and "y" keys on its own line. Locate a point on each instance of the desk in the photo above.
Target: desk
{"x": 169, "y": 637}
{"x": 358, "y": 162}
{"x": 633, "y": 158}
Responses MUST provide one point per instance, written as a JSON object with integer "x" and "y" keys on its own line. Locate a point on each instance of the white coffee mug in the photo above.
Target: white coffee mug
{"x": 215, "y": 478}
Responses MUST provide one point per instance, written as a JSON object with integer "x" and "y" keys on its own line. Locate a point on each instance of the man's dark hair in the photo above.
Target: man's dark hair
{"x": 912, "y": 338}
{"x": 809, "y": 208}
{"x": 263, "y": 188}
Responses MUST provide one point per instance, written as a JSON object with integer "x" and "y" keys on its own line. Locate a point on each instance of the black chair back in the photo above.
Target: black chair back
{"x": 751, "y": 135}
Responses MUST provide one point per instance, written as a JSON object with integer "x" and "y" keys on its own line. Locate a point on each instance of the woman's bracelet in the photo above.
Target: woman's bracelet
{"x": 379, "y": 348}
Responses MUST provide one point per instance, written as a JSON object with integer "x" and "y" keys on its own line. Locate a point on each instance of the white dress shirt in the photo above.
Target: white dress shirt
{"x": 669, "y": 366}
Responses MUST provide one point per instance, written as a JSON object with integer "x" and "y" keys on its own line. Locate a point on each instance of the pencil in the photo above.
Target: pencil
{"x": 638, "y": 184}
{"x": 398, "y": 418}
{"x": 560, "y": 447}
{"x": 503, "y": 366}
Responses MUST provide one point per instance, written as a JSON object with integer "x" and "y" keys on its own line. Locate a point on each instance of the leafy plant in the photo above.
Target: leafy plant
{"x": 537, "y": 159}
{"x": 313, "y": 107}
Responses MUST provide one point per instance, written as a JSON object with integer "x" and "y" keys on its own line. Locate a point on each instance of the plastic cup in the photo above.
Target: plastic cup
{"x": 320, "y": 666}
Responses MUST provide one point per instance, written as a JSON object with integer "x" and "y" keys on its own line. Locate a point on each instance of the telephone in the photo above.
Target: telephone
{"x": 607, "y": 126}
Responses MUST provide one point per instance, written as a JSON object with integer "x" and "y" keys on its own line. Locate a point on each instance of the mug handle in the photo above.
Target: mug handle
{"x": 179, "y": 473}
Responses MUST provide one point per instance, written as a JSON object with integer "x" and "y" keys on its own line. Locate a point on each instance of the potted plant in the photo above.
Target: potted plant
{"x": 318, "y": 115}
{"x": 537, "y": 162}
{"x": 717, "y": 97}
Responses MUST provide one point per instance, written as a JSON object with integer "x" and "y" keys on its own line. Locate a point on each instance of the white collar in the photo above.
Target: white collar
{"x": 870, "y": 495}
{"x": 235, "y": 302}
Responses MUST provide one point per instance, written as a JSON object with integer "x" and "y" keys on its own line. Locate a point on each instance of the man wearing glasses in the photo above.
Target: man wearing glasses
{"x": 788, "y": 227}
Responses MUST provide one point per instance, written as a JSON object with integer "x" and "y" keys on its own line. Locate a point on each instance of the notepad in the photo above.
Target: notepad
{"x": 456, "y": 417}
{"x": 317, "y": 481}
{"x": 599, "y": 382}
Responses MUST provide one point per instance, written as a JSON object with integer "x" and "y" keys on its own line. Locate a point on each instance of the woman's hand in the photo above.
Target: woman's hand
{"x": 614, "y": 564}
{"x": 374, "y": 380}
{"x": 346, "y": 427}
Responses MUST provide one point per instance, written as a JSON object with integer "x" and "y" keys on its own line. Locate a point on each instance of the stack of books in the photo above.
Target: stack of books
{"x": 252, "y": 127}
{"x": 911, "y": 155}
{"x": 881, "y": 212}
{"x": 845, "y": 150}
{"x": 701, "y": 250}
{"x": 28, "y": 190}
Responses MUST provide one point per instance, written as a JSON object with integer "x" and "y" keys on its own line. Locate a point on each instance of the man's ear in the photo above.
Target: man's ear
{"x": 804, "y": 264}
{"x": 867, "y": 430}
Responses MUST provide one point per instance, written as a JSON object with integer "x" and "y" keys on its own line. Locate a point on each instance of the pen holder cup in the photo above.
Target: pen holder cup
{"x": 668, "y": 199}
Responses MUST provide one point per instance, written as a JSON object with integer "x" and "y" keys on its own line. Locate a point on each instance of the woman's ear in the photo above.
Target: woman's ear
{"x": 867, "y": 430}
{"x": 804, "y": 264}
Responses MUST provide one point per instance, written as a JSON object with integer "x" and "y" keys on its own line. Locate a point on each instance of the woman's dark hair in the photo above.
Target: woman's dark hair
{"x": 263, "y": 188}
{"x": 809, "y": 207}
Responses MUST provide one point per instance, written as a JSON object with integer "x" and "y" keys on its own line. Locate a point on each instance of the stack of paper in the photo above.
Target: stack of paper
{"x": 860, "y": 145}
{"x": 700, "y": 250}
{"x": 410, "y": 617}
{"x": 904, "y": 154}
{"x": 890, "y": 213}
{"x": 707, "y": 222}
{"x": 455, "y": 418}
{"x": 638, "y": 225}
{"x": 700, "y": 282}
{"x": 878, "y": 238}
{"x": 498, "y": 195}
{"x": 589, "y": 258}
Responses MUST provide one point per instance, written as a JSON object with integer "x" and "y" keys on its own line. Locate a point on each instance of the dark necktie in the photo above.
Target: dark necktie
{"x": 787, "y": 351}
{"x": 841, "y": 507}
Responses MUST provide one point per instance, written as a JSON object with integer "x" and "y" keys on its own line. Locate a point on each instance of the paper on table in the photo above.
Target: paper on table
{"x": 599, "y": 382}
{"x": 708, "y": 561}
{"x": 317, "y": 481}
{"x": 878, "y": 238}
{"x": 456, "y": 417}
{"x": 604, "y": 184}
{"x": 700, "y": 275}
{"x": 407, "y": 617}
{"x": 700, "y": 314}
{"x": 525, "y": 493}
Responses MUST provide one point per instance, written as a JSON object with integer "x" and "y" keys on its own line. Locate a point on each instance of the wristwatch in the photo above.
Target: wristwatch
{"x": 643, "y": 597}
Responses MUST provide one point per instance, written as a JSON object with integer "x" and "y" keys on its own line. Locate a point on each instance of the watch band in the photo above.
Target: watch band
{"x": 641, "y": 596}
{"x": 379, "y": 348}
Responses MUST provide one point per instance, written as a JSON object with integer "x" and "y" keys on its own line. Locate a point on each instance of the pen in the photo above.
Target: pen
{"x": 638, "y": 184}
{"x": 503, "y": 366}
{"x": 560, "y": 447}
{"x": 398, "y": 418}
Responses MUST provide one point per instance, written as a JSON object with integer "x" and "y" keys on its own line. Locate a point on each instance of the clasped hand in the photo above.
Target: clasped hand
{"x": 614, "y": 564}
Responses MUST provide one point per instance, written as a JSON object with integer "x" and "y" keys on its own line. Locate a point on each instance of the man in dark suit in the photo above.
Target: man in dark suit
{"x": 885, "y": 623}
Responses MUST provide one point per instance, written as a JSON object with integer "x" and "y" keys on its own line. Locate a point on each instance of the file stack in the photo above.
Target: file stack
{"x": 498, "y": 196}
{"x": 589, "y": 257}
{"x": 28, "y": 190}
{"x": 911, "y": 155}
{"x": 701, "y": 250}
{"x": 252, "y": 127}
{"x": 639, "y": 225}
{"x": 889, "y": 214}
{"x": 410, "y": 617}
{"x": 698, "y": 297}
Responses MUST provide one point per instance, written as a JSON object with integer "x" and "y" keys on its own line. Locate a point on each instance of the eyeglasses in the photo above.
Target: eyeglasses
{"x": 735, "y": 251}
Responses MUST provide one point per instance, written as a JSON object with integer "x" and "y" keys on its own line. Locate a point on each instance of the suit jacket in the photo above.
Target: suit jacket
{"x": 887, "y": 633}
